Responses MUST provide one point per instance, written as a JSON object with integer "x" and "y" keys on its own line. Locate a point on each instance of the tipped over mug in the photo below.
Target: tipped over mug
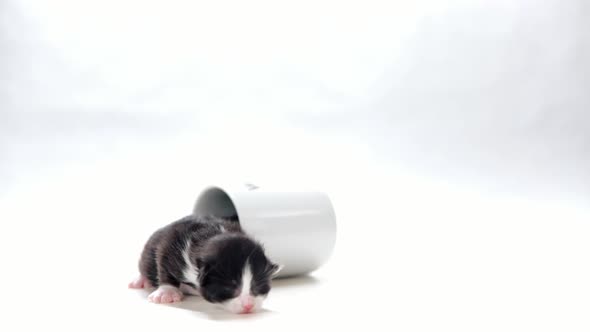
{"x": 296, "y": 228}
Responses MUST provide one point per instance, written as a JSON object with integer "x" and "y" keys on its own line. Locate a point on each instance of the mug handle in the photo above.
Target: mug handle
{"x": 251, "y": 186}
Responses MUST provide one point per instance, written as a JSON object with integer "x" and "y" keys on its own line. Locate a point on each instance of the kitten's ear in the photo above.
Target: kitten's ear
{"x": 274, "y": 269}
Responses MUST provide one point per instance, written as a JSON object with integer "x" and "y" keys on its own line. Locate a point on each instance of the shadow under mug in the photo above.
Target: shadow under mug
{"x": 297, "y": 229}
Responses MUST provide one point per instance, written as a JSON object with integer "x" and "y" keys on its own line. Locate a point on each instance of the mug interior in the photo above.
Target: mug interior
{"x": 216, "y": 202}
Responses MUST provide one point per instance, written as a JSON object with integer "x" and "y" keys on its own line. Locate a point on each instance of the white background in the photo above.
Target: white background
{"x": 452, "y": 136}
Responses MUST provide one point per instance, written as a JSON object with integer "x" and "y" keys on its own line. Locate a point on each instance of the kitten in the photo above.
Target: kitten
{"x": 206, "y": 256}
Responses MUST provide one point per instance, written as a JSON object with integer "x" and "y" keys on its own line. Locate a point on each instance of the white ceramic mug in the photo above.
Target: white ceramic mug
{"x": 297, "y": 229}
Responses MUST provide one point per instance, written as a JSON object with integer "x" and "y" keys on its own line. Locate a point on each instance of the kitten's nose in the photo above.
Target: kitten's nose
{"x": 248, "y": 307}
{"x": 247, "y": 304}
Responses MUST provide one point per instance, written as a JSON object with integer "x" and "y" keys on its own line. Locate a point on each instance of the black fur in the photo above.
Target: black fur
{"x": 219, "y": 256}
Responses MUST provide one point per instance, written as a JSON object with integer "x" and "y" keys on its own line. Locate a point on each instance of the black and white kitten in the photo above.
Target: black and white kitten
{"x": 206, "y": 256}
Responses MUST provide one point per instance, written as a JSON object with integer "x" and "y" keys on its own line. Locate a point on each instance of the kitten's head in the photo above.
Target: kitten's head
{"x": 235, "y": 272}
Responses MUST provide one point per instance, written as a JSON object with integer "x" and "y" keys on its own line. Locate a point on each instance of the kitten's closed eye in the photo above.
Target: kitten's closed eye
{"x": 224, "y": 291}
{"x": 231, "y": 291}
{"x": 261, "y": 289}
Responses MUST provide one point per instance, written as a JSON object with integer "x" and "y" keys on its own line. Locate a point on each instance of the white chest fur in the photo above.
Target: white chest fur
{"x": 190, "y": 272}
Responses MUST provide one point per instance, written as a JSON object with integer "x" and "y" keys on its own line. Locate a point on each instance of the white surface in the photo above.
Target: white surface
{"x": 452, "y": 138}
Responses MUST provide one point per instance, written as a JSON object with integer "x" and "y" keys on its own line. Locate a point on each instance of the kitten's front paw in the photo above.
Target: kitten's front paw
{"x": 140, "y": 282}
{"x": 165, "y": 294}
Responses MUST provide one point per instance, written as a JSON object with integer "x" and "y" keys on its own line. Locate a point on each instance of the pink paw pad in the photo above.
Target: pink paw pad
{"x": 165, "y": 294}
{"x": 140, "y": 282}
